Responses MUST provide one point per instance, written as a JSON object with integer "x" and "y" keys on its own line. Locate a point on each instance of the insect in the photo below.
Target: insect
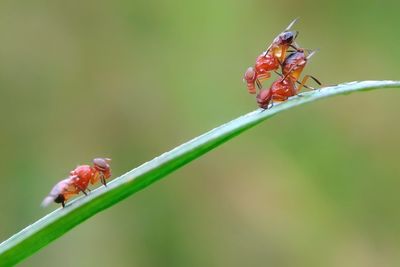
{"x": 78, "y": 181}
{"x": 271, "y": 59}
{"x": 285, "y": 86}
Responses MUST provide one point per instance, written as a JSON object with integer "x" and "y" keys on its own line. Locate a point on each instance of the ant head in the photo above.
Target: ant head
{"x": 263, "y": 98}
{"x": 101, "y": 164}
{"x": 250, "y": 75}
{"x": 287, "y": 37}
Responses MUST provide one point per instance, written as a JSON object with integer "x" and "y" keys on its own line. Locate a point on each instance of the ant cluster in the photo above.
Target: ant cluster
{"x": 78, "y": 181}
{"x": 283, "y": 53}
{"x": 291, "y": 62}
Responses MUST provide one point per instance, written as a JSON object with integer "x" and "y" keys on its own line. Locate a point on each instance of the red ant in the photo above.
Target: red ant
{"x": 78, "y": 181}
{"x": 285, "y": 86}
{"x": 271, "y": 59}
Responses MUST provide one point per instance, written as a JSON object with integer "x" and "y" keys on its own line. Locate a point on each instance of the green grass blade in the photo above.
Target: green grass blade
{"x": 55, "y": 224}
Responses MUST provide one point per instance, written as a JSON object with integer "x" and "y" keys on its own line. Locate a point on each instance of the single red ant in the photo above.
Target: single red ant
{"x": 285, "y": 86}
{"x": 78, "y": 181}
{"x": 271, "y": 59}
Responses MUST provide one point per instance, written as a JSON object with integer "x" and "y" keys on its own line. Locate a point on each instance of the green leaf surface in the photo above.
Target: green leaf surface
{"x": 60, "y": 221}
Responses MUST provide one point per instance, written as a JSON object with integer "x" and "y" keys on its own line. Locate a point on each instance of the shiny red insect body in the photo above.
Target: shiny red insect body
{"x": 78, "y": 181}
{"x": 81, "y": 176}
{"x": 285, "y": 86}
{"x": 270, "y": 60}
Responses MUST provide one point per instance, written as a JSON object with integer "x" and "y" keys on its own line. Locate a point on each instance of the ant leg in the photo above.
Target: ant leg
{"x": 302, "y": 84}
{"x": 269, "y": 106}
{"x": 262, "y": 77}
{"x": 295, "y": 45}
{"x": 82, "y": 190}
{"x": 259, "y": 85}
{"x": 297, "y": 81}
{"x": 280, "y": 63}
{"x": 63, "y": 204}
{"x": 272, "y": 104}
{"x": 315, "y": 80}
{"x": 103, "y": 181}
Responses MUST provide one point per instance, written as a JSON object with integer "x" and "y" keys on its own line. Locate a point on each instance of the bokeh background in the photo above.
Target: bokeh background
{"x": 315, "y": 186}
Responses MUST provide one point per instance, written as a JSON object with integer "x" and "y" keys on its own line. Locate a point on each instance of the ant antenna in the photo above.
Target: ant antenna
{"x": 297, "y": 33}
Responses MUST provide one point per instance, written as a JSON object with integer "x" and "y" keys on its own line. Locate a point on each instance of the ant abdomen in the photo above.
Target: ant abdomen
{"x": 250, "y": 77}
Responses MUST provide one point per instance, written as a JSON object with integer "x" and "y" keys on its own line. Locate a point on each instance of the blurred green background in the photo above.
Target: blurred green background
{"x": 129, "y": 80}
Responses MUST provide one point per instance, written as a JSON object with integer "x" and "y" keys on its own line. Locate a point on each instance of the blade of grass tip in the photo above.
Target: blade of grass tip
{"x": 58, "y": 222}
